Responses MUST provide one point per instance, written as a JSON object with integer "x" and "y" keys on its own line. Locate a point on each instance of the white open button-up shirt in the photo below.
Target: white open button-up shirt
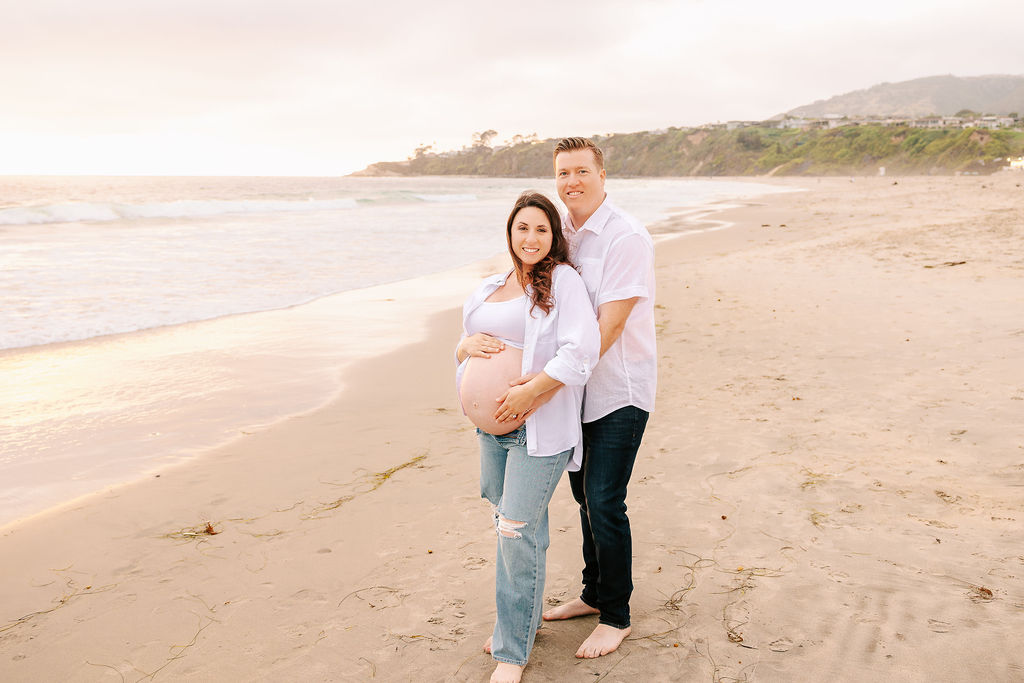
{"x": 565, "y": 344}
{"x": 615, "y": 256}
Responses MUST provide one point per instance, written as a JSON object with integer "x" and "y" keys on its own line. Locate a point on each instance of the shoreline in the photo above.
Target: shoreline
{"x": 174, "y": 363}
{"x": 174, "y": 439}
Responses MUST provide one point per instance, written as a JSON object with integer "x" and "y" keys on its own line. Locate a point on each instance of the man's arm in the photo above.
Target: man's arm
{"x": 611, "y": 320}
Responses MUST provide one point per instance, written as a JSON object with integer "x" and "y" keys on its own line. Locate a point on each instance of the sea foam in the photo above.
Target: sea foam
{"x": 186, "y": 208}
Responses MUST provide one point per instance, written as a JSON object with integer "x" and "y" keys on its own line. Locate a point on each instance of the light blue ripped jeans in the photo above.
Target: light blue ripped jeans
{"x": 520, "y": 487}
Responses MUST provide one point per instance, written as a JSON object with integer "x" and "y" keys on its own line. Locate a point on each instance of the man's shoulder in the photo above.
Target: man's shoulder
{"x": 622, "y": 224}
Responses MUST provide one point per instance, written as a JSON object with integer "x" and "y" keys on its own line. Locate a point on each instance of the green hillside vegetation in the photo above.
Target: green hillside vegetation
{"x": 846, "y": 150}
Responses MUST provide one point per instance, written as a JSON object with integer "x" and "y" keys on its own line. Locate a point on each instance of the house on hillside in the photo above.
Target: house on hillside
{"x": 836, "y": 120}
{"x": 1016, "y": 164}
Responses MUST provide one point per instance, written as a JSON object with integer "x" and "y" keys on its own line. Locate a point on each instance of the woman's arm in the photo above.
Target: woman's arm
{"x": 519, "y": 400}
{"x": 577, "y": 335}
{"x": 578, "y": 339}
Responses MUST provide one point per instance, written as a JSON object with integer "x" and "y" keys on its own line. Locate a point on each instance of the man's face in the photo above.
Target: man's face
{"x": 580, "y": 183}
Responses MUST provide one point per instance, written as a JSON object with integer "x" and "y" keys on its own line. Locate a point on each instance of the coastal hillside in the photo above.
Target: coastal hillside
{"x": 931, "y": 96}
{"x": 934, "y": 125}
{"x": 743, "y": 151}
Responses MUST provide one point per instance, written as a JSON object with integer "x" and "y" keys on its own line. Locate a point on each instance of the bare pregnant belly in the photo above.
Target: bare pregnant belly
{"x": 483, "y": 381}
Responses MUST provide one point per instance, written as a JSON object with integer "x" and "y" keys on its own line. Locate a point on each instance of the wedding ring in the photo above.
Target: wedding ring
{"x": 515, "y": 416}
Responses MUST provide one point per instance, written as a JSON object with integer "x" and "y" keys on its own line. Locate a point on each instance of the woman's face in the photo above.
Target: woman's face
{"x": 531, "y": 236}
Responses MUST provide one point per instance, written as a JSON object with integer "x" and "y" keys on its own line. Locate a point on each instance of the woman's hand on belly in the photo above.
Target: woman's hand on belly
{"x": 479, "y": 345}
{"x": 542, "y": 398}
{"x": 515, "y": 403}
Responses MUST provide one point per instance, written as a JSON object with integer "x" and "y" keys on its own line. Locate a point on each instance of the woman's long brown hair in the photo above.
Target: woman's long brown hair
{"x": 539, "y": 277}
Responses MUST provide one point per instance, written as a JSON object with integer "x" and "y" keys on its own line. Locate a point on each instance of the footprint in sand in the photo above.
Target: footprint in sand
{"x": 474, "y": 563}
{"x": 939, "y": 626}
{"x": 780, "y": 645}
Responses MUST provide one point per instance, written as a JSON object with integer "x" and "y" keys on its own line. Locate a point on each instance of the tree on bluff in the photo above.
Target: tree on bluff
{"x": 484, "y": 139}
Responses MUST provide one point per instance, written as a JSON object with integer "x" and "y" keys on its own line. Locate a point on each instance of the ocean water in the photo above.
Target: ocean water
{"x": 84, "y": 261}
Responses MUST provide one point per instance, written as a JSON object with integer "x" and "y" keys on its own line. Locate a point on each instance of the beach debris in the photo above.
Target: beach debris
{"x": 381, "y": 595}
{"x": 813, "y": 478}
{"x": 948, "y": 264}
{"x": 73, "y": 593}
{"x": 981, "y": 594}
{"x": 206, "y": 529}
{"x": 369, "y": 482}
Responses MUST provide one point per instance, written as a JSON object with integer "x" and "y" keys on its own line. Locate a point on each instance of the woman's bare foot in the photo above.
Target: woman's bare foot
{"x": 571, "y": 609}
{"x": 507, "y": 673}
{"x": 487, "y": 645}
{"x": 603, "y": 640}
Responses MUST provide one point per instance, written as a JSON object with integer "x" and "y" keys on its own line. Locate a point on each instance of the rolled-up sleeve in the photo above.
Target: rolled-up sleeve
{"x": 626, "y": 269}
{"x": 577, "y": 335}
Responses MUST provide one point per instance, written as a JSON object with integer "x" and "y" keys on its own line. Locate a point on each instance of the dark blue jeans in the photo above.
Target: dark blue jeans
{"x": 609, "y": 451}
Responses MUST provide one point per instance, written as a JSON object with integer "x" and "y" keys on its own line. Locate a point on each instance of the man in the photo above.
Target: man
{"x": 615, "y": 256}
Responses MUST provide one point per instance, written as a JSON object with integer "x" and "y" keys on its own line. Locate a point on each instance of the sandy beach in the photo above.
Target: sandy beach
{"x": 830, "y": 489}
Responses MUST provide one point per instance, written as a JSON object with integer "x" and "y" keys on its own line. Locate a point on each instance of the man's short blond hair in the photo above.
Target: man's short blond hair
{"x": 576, "y": 144}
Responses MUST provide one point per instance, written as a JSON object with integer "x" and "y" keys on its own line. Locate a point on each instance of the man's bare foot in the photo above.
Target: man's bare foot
{"x": 603, "y": 640}
{"x": 507, "y": 673}
{"x": 573, "y": 608}
{"x": 487, "y": 645}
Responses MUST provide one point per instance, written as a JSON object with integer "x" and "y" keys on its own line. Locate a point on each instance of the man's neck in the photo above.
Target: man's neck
{"x": 578, "y": 220}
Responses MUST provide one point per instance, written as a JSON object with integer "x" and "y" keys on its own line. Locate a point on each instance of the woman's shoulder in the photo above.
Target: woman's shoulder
{"x": 482, "y": 290}
{"x": 495, "y": 280}
{"x": 564, "y": 271}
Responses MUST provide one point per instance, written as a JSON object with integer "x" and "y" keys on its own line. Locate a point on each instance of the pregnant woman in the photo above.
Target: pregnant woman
{"x": 537, "y": 318}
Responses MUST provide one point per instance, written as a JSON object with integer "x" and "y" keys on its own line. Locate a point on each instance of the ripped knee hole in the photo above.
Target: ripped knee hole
{"x": 509, "y": 528}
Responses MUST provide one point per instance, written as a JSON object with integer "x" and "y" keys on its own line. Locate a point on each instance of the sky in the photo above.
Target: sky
{"x": 325, "y": 87}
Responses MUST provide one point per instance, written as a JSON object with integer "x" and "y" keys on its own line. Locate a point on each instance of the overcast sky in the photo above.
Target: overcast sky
{"x": 322, "y": 87}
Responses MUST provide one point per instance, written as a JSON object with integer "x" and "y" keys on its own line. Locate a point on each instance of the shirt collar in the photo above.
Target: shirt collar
{"x": 597, "y": 220}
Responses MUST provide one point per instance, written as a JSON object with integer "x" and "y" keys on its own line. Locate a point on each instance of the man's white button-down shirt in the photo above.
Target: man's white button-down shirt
{"x": 615, "y": 256}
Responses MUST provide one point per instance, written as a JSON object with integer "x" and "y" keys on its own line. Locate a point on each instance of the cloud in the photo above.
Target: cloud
{"x": 340, "y": 85}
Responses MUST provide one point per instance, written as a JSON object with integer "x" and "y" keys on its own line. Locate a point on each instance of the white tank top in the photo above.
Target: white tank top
{"x": 505, "y": 320}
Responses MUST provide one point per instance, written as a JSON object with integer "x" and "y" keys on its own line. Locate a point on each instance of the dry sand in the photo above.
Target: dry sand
{"x": 831, "y": 489}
